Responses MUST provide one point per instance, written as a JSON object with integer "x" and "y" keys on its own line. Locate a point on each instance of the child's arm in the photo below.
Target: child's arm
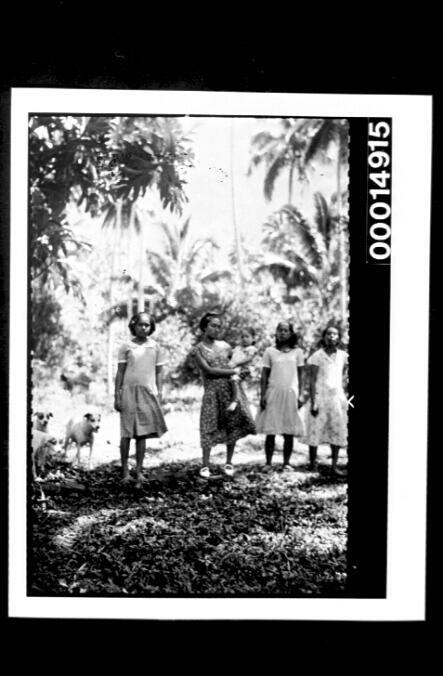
{"x": 265, "y": 373}
{"x": 159, "y": 381}
{"x": 212, "y": 370}
{"x": 118, "y": 385}
{"x": 246, "y": 359}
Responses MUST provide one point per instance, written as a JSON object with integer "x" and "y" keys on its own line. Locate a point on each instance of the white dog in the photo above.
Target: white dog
{"x": 42, "y": 442}
{"x": 81, "y": 431}
{"x": 40, "y": 420}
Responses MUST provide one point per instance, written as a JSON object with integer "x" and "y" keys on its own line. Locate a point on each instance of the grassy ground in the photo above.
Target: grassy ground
{"x": 260, "y": 534}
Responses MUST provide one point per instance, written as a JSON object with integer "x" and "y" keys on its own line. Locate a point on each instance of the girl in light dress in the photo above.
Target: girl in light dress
{"x": 328, "y": 419}
{"x": 281, "y": 383}
{"x": 138, "y": 390}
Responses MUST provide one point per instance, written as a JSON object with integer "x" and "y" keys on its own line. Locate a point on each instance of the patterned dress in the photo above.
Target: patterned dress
{"x": 330, "y": 426}
{"x": 217, "y": 425}
{"x": 141, "y": 415}
{"x": 281, "y": 414}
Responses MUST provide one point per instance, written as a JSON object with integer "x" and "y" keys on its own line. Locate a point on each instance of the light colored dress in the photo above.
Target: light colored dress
{"x": 330, "y": 426}
{"x": 141, "y": 415}
{"x": 281, "y": 413}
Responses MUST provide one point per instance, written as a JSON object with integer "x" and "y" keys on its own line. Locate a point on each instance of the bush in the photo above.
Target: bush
{"x": 176, "y": 340}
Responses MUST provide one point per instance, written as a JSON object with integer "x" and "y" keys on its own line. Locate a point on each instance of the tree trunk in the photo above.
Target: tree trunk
{"x": 141, "y": 269}
{"x": 234, "y": 218}
{"x": 129, "y": 267}
{"x": 291, "y": 177}
{"x": 114, "y": 261}
{"x": 343, "y": 265}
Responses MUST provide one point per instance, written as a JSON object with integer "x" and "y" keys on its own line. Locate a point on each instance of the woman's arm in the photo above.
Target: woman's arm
{"x": 118, "y": 385}
{"x": 212, "y": 370}
{"x": 301, "y": 383}
{"x": 159, "y": 381}
{"x": 312, "y": 384}
{"x": 265, "y": 373}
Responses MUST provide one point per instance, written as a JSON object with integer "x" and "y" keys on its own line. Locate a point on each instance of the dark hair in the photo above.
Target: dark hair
{"x": 204, "y": 321}
{"x": 252, "y": 333}
{"x": 293, "y": 338}
{"x": 135, "y": 319}
{"x": 321, "y": 342}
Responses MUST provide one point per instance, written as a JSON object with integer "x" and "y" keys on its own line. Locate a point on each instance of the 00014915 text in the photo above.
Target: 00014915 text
{"x": 379, "y": 191}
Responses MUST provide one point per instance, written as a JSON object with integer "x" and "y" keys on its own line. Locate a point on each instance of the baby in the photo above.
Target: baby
{"x": 242, "y": 355}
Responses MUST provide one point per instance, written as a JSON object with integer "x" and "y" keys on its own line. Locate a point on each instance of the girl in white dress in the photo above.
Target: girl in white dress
{"x": 327, "y": 422}
{"x": 138, "y": 390}
{"x": 281, "y": 383}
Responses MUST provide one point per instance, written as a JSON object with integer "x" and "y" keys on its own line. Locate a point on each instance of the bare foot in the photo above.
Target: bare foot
{"x": 126, "y": 479}
{"x": 232, "y": 406}
{"x": 139, "y": 482}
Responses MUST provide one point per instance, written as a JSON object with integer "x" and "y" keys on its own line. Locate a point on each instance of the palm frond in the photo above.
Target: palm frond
{"x": 320, "y": 142}
{"x": 172, "y": 237}
{"x": 323, "y": 218}
{"x": 272, "y": 174}
{"x": 216, "y": 275}
{"x": 308, "y": 241}
{"x": 185, "y": 229}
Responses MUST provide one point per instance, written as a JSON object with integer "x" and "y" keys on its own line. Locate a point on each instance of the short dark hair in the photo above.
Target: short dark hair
{"x": 204, "y": 321}
{"x": 252, "y": 333}
{"x": 321, "y": 342}
{"x": 135, "y": 319}
{"x": 293, "y": 338}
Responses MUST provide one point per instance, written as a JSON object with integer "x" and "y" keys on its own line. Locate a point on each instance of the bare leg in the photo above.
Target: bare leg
{"x": 229, "y": 453}
{"x": 313, "y": 457}
{"x": 124, "y": 455}
{"x": 65, "y": 447}
{"x": 334, "y": 456}
{"x": 269, "y": 448}
{"x": 91, "y": 447}
{"x": 206, "y": 450}
{"x": 140, "y": 448}
{"x": 288, "y": 446}
{"x": 78, "y": 455}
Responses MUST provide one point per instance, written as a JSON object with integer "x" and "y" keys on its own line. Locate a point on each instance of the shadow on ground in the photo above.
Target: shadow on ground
{"x": 257, "y": 534}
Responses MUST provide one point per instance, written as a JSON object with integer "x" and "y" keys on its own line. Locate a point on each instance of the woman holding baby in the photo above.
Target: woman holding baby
{"x": 225, "y": 416}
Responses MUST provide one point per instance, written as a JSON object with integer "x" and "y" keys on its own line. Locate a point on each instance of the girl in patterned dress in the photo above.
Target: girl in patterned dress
{"x": 217, "y": 424}
{"x": 327, "y": 422}
{"x": 138, "y": 386}
{"x": 281, "y": 383}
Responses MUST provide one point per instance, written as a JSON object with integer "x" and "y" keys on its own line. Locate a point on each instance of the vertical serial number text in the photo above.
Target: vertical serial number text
{"x": 379, "y": 190}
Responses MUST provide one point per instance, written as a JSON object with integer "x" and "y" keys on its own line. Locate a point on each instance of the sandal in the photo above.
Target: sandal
{"x": 205, "y": 473}
{"x": 229, "y": 470}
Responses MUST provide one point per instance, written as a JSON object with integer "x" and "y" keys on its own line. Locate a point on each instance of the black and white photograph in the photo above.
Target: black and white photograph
{"x": 207, "y": 392}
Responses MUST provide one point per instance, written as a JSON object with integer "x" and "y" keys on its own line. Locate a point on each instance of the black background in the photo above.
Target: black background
{"x": 63, "y": 44}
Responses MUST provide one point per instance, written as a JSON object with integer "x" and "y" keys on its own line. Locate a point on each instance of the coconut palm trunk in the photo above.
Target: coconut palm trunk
{"x": 234, "y": 217}
{"x": 343, "y": 266}
{"x": 141, "y": 270}
{"x": 111, "y": 329}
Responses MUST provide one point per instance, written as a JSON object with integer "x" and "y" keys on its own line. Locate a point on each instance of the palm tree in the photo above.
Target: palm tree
{"x": 280, "y": 152}
{"x": 182, "y": 265}
{"x": 324, "y": 134}
{"x": 234, "y": 215}
{"x": 302, "y": 253}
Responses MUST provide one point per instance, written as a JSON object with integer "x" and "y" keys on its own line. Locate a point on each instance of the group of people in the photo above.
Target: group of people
{"x": 225, "y": 415}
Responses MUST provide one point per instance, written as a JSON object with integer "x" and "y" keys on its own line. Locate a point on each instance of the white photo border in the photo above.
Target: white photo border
{"x": 407, "y": 471}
